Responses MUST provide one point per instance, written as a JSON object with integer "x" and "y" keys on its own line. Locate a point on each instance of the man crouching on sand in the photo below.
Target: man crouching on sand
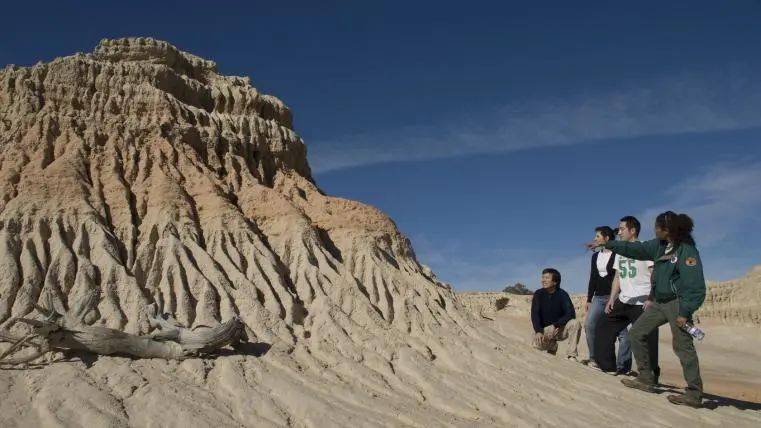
{"x": 553, "y": 316}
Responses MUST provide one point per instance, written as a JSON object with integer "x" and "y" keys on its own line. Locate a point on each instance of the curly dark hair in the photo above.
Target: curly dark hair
{"x": 678, "y": 226}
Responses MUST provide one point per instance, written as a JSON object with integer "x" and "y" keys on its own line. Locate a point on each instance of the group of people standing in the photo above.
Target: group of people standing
{"x": 634, "y": 288}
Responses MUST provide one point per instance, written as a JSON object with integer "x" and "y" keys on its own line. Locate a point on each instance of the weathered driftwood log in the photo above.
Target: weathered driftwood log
{"x": 69, "y": 332}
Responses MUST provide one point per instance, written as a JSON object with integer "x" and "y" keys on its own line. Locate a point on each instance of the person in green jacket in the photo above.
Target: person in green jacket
{"x": 678, "y": 291}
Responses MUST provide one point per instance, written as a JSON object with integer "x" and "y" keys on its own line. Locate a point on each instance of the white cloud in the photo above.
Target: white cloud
{"x": 523, "y": 267}
{"x": 724, "y": 201}
{"x": 727, "y": 100}
{"x": 497, "y": 267}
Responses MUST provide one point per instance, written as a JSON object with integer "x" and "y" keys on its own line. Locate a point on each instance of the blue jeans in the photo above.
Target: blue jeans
{"x": 596, "y": 311}
{"x": 624, "y": 358}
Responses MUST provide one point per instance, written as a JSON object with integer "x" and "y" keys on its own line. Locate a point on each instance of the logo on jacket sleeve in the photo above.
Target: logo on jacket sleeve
{"x": 691, "y": 261}
{"x": 674, "y": 259}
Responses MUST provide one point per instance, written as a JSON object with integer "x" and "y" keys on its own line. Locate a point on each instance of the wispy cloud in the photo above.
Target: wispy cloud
{"x": 727, "y": 100}
{"x": 496, "y": 268}
{"x": 723, "y": 200}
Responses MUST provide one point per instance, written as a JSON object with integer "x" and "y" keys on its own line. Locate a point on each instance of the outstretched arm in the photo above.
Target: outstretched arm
{"x": 647, "y": 250}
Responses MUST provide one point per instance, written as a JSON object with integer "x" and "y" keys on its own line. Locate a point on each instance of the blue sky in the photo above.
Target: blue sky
{"x": 496, "y": 134}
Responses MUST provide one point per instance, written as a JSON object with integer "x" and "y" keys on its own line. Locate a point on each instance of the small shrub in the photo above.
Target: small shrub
{"x": 501, "y": 303}
{"x": 518, "y": 288}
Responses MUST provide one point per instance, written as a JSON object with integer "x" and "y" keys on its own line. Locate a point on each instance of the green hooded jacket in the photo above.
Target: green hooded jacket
{"x": 678, "y": 274}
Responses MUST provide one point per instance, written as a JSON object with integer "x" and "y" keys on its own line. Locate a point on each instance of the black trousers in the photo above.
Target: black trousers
{"x": 608, "y": 329}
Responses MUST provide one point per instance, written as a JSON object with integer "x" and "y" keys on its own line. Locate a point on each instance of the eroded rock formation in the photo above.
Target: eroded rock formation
{"x": 141, "y": 171}
{"x": 486, "y": 304}
{"x": 737, "y": 301}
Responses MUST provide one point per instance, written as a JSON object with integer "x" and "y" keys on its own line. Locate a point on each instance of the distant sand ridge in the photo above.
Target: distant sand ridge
{"x": 139, "y": 172}
{"x": 737, "y": 301}
{"x": 733, "y": 302}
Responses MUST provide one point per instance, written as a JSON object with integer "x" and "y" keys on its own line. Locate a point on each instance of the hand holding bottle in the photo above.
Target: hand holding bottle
{"x": 693, "y": 331}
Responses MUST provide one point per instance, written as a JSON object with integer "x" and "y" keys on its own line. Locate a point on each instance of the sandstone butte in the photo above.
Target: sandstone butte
{"x": 141, "y": 173}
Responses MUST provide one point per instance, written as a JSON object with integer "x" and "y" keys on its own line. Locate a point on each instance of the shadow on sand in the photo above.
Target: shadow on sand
{"x": 712, "y": 401}
{"x": 254, "y": 349}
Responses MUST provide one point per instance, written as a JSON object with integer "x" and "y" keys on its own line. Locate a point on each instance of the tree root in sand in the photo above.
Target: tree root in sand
{"x": 68, "y": 332}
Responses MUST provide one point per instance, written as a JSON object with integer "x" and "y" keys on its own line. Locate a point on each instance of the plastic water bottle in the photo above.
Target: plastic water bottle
{"x": 694, "y": 331}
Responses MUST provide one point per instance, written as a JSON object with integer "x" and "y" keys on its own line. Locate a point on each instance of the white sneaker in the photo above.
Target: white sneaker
{"x": 593, "y": 364}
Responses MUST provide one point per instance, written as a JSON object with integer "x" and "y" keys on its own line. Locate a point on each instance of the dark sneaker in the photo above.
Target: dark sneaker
{"x": 685, "y": 400}
{"x": 597, "y": 368}
{"x": 636, "y": 383}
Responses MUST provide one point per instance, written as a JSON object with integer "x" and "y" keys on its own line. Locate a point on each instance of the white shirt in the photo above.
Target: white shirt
{"x": 603, "y": 257}
{"x": 634, "y": 278}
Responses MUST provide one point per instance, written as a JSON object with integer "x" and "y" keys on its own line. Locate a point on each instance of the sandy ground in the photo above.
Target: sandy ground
{"x": 730, "y": 358}
{"x": 730, "y": 361}
{"x": 497, "y": 380}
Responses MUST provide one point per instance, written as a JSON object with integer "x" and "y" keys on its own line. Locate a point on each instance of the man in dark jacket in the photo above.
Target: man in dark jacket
{"x": 553, "y": 316}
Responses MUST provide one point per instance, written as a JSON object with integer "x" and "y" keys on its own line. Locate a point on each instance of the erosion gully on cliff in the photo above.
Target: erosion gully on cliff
{"x": 139, "y": 173}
